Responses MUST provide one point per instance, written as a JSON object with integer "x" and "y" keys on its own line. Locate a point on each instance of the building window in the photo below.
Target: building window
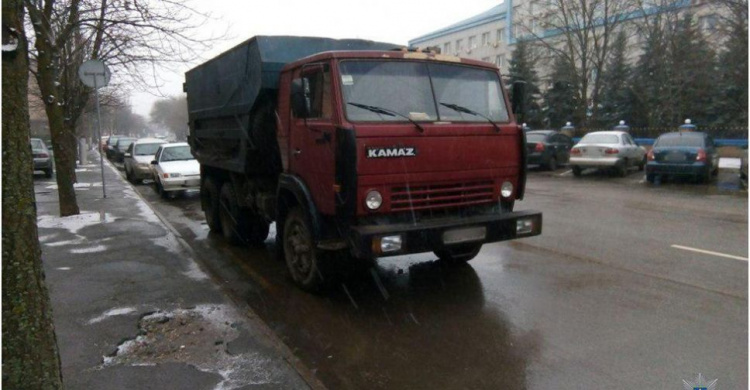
{"x": 485, "y": 39}
{"x": 500, "y": 35}
{"x": 447, "y": 48}
{"x": 459, "y": 45}
{"x": 472, "y": 42}
{"x": 500, "y": 61}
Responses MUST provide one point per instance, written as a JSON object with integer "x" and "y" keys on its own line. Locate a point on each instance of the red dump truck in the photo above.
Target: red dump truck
{"x": 358, "y": 148}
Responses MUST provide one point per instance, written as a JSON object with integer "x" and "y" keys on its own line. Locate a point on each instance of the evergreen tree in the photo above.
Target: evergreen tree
{"x": 562, "y": 101}
{"x": 523, "y": 68}
{"x": 617, "y": 95}
{"x": 692, "y": 80}
{"x": 731, "y": 105}
{"x": 650, "y": 81}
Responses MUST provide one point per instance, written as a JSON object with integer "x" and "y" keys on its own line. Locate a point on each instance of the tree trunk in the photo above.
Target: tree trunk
{"x": 30, "y": 355}
{"x": 63, "y": 140}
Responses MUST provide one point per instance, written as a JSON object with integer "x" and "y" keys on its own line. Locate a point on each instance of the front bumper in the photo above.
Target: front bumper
{"x": 595, "y": 162}
{"x": 694, "y": 169}
{"x": 42, "y": 164}
{"x": 192, "y": 182}
{"x": 142, "y": 172}
{"x": 429, "y": 235}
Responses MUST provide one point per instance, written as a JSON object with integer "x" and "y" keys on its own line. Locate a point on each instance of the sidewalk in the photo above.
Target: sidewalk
{"x": 132, "y": 308}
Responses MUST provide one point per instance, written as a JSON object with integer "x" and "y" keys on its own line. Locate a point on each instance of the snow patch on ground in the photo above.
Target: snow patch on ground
{"x": 111, "y": 313}
{"x": 63, "y": 268}
{"x": 197, "y": 337}
{"x": 93, "y": 249}
{"x": 729, "y": 163}
{"x": 47, "y": 237}
{"x": 74, "y": 223}
{"x": 168, "y": 242}
{"x": 194, "y": 272}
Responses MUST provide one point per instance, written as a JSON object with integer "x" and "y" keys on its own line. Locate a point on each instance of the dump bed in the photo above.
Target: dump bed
{"x": 223, "y": 92}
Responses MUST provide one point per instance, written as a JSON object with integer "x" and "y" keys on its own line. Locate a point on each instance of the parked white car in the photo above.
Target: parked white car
{"x": 175, "y": 169}
{"x": 138, "y": 159}
{"x": 614, "y": 150}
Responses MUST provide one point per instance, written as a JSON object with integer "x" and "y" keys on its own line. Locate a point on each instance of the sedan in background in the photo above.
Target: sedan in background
{"x": 138, "y": 159}
{"x": 121, "y": 146}
{"x": 691, "y": 154}
{"x": 42, "y": 157}
{"x": 612, "y": 150}
{"x": 110, "y": 148}
{"x": 175, "y": 169}
{"x": 548, "y": 148}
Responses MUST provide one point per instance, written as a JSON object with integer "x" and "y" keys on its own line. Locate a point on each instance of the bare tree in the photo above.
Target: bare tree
{"x": 172, "y": 114}
{"x": 132, "y": 37}
{"x": 30, "y": 354}
{"x": 580, "y": 32}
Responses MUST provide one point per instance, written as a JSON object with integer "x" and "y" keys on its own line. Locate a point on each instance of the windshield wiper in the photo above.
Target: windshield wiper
{"x": 465, "y": 110}
{"x": 385, "y": 111}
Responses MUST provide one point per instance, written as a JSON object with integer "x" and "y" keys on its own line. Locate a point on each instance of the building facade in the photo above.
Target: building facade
{"x": 492, "y": 35}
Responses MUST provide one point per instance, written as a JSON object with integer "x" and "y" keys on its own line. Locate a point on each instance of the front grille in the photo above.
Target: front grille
{"x": 439, "y": 196}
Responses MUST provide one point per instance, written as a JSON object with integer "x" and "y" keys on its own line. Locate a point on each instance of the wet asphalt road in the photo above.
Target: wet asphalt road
{"x": 602, "y": 300}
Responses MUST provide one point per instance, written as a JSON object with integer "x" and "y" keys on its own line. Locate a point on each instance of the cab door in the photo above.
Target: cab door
{"x": 312, "y": 133}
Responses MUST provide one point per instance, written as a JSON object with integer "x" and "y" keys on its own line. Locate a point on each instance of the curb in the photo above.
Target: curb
{"x": 305, "y": 373}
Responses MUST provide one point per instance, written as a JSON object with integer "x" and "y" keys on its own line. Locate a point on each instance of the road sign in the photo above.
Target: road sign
{"x": 94, "y": 74}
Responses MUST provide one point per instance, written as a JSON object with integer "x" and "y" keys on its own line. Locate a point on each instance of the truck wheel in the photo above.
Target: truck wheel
{"x": 552, "y": 164}
{"x": 577, "y": 171}
{"x": 210, "y": 204}
{"x": 302, "y": 258}
{"x": 257, "y": 229}
{"x": 457, "y": 254}
{"x": 230, "y": 216}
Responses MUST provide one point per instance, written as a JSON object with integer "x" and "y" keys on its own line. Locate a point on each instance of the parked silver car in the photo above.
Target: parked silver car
{"x": 175, "y": 169}
{"x": 138, "y": 159}
{"x": 614, "y": 150}
{"x": 42, "y": 157}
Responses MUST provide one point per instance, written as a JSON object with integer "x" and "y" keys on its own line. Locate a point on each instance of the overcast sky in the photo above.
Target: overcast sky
{"x": 394, "y": 21}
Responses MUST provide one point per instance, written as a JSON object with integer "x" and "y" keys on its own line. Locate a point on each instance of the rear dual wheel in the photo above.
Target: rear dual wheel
{"x": 238, "y": 225}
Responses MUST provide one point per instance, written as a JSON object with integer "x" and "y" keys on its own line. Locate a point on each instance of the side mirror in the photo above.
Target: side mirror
{"x": 519, "y": 89}
{"x": 299, "y": 100}
{"x": 154, "y": 162}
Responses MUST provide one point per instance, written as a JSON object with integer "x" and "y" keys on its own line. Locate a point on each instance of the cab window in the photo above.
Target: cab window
{"x": 318, "y": 90}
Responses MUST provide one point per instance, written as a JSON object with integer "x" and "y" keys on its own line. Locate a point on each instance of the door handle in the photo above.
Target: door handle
{"x": 297, "y": 152}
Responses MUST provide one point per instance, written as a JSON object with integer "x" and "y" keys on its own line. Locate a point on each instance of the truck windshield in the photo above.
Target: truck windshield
{"x": 414, "y": 89}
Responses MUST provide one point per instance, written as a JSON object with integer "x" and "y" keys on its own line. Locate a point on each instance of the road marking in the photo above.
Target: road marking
{"x": 687, "y": 248}
{"x": 566, "y": 173}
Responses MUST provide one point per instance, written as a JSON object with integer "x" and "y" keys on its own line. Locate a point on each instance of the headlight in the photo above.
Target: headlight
{"x": 373, "y": 200}
{"x": 506, "y": 190}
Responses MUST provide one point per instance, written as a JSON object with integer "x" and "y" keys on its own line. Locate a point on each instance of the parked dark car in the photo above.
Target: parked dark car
{"x": 110, "y": 148}
{"x": 548, "y": 148}
{"x": 121, "y": 146}
{"x": 691, "y": 154}
{"x": 42, "y": 157}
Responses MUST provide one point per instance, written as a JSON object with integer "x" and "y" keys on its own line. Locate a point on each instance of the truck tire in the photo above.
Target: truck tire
{"x": 210, "y": 204}
{"x": 257, "y": 228}
{"x": 458, "y": 254}
{"x": 303, "y": 259}
{"x": 230, "y": 216}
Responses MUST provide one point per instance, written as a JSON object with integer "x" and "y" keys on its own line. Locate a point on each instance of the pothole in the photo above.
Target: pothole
{"x": 197, "y": 337}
